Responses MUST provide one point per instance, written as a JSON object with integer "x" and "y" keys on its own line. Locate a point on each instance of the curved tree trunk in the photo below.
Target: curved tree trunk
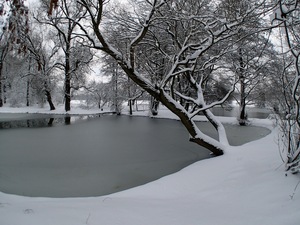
{"x": 196, "y": 136}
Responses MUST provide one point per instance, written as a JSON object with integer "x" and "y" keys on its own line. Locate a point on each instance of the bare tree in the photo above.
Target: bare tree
{"x": 44, "y": 65}
{"x": 97, "y": 94}
{"x": 252, "y": 55}
{"x": 3, "y": 53}
{"x": 287, "y": 15}
{"x": 13, "y": 21}
{"x": 202, "y": 32}
{"x": 65, "y": 20}
{"x": 195, "y": 38}
{"x": 115, "y": 93}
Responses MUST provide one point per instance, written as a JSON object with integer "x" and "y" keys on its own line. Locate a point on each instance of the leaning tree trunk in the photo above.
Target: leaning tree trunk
{"x": 196, "y": 135}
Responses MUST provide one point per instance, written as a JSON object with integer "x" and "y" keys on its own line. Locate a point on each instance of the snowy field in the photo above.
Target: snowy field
{"x": 246, "y": 186}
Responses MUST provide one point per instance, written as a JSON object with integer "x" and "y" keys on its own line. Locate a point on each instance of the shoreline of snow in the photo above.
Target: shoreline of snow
{"x": 247, "y": 185}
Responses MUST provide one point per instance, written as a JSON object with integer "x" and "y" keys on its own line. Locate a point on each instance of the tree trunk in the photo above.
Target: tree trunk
{"x": 130, "y": 106}
{"x": 154, "y": 106}
{"x": 67, "y": 82}
{"x": 49, "y": 100}
{"x": 28, "y": 93}
{"x": 67, "y": 94}
{"x": 3, "y": 53}
{"x": 67, "y": 120}
{"x": 243, "y": 114}
{"x": 196, "y": 135}
{"x": 1, "y": 101}
{"x": 4, "y": 94}
{"x": 129, "y": 97}
{"x": 116, "y": 97}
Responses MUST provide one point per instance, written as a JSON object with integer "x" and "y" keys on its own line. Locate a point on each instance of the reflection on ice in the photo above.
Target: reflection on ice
{"x": 15, "y": 120}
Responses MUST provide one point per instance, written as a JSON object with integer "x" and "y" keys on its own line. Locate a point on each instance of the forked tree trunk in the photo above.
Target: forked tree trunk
{"x": 196, "y": 135}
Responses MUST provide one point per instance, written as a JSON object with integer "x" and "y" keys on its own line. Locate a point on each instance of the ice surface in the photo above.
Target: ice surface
{"x": 101, "y": 155}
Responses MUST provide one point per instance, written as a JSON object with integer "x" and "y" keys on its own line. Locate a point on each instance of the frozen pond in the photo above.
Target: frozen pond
{"x": 96, "y": 156}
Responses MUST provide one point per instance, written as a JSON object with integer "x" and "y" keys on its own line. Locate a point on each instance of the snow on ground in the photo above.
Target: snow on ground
{"x": 246, "y": 186}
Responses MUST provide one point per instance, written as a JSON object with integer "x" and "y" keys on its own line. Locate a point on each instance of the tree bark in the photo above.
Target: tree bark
{"x": 196, "y": 135}
{"x": 130, "y": 106}
{"x": 67, "y": 94}
{"x": 67, "y": 80}
{"x": 27, "y": 93}
{"x": 154, "y": 106}
{"x": 2, "y": 57}
{"x": 1, "y": 101}
{"x": 243, "y": 115}
{"x": 49, "y": 100}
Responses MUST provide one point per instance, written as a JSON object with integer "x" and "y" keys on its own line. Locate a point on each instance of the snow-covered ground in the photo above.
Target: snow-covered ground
{"x": 246, "y": 186}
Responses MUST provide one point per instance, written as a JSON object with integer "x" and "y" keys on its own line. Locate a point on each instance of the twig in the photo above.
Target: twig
{"x": 87, "y": 219}
{"x": 292, "y": 195}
